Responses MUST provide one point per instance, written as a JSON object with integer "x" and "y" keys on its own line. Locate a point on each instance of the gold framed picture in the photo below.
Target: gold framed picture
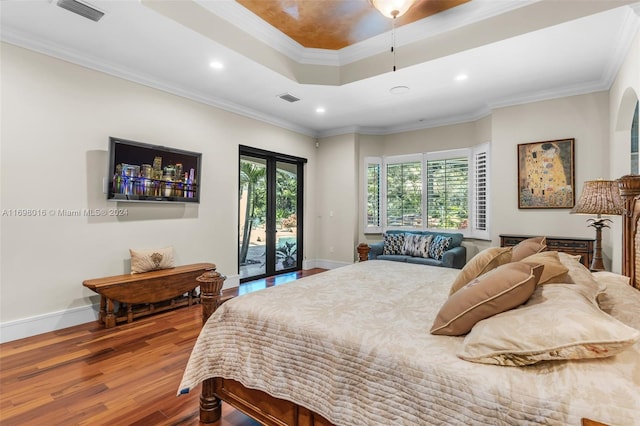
{"x": 546, "y": 175}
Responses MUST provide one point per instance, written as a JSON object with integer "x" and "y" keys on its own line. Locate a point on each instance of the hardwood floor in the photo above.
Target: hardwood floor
{"x": 127, "y": 375}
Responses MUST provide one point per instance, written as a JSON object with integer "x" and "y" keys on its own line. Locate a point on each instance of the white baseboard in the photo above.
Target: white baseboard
{"x": 231, "y": 281}
{"x": 323, "y": 263}
{"x": 27, "y": 327}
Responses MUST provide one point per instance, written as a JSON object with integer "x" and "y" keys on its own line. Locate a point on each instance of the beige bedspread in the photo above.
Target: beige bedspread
{"x": 353, "y": 345}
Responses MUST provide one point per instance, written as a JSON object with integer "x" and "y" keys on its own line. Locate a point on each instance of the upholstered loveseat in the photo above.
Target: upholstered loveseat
{"x": 422, "y": 247}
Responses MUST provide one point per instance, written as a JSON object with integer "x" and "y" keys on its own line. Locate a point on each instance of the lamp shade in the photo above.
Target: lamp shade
{"x": 392, "y": 8}
{"x": 599, "y": 197}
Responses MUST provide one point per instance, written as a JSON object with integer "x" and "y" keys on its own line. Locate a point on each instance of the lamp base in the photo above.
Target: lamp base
{"x": 597, "y": 264}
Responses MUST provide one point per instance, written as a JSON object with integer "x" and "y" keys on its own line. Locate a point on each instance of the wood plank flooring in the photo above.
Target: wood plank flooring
{"x": 127, "y": 375}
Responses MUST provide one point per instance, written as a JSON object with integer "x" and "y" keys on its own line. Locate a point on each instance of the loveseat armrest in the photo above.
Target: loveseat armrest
{"x": 454, "y": 258}
{"x": 376, "y": 249}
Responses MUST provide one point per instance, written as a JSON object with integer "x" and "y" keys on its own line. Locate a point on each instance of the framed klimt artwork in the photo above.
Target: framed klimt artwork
{"x": 546, "y": 175}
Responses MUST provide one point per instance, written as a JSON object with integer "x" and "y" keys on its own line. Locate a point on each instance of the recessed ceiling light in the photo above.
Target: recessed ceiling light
{"x": 216, "y": 65}
{"x": 397, "y": 90}
{"x": 320, "y": 110}
{"x": 461, "y": 77}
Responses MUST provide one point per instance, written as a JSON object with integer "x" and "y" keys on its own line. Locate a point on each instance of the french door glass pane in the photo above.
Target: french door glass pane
{"x": 253, "y": 216}
{"x": 286, "y": 219}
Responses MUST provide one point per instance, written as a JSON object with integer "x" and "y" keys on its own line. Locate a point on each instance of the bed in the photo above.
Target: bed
{"x": 352, "y": 346}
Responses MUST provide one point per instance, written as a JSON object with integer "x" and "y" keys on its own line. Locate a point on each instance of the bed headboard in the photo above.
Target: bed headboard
{"x": 630, "y": 191}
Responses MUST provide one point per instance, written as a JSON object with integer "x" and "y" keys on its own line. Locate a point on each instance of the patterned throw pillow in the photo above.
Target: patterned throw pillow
{"x": 416, "y": 245}
{"x": 439, "y": 244}
{"x": 151, "y": 260}
{"x": 393, "y": 243}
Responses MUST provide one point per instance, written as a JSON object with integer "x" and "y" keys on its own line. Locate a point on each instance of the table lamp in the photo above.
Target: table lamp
{"x": 599, "y": 197}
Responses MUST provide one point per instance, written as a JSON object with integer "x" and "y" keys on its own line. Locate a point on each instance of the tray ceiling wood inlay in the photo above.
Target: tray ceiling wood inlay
{"x": 335, "y": 24}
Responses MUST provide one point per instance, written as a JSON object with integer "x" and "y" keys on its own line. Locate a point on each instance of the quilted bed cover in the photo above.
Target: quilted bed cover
{"x": 353, "y": 345}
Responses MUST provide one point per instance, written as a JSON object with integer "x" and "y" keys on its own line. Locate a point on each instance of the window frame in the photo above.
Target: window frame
{"x": 448, "y": 155}
{"x": 372, "y": 229}
{"x": 397, "y": 159}
{"x": 472, "y": 230}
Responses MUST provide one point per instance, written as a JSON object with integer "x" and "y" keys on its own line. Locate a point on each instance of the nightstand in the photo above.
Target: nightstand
{"x": 569, "y": 245}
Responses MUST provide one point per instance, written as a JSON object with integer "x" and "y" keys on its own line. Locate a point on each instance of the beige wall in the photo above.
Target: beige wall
{"x": 337, "y": 200}
{"x": 57, "y": 117}
{"x": 623, "y": 98}
{"x": 56, "y": 121}
{"x": 584, "y": 118}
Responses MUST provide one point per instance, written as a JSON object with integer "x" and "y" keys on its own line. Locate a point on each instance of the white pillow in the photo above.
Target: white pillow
{"x": 151, "y": 260}
{"x": 557, "y": 323}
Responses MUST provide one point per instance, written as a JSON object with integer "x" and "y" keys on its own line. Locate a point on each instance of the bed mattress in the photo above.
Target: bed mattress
{"x": 353, "y": 345}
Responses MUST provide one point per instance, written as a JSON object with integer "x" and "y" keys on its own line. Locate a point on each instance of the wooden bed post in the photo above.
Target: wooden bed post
{"x": 363, "y": 252}
{"x": 629, "y": 186}
{"x": 211, "y": 283}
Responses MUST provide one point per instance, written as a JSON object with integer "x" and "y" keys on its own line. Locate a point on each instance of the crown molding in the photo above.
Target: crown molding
{"x": 464, "y": 14}
{"x": 626, "y": 35}
{"x": 17, "y": 38}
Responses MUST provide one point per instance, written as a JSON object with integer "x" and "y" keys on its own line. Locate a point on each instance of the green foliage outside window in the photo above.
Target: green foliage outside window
{"x": 448, "y": 193}
{"x": 404, "y": 195}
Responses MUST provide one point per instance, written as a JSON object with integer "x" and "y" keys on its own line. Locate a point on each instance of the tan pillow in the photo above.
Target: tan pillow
{"x": 150, "y": 260}
{"x": 554, "y": 270}
{"x": 528, "y": 247}
{"x": 481, "y": 263}
{"x": 498, "y": 290}
{"x": 557, "y": 323}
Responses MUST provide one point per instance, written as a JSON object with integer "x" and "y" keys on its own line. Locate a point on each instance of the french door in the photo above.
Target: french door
{"x": 270, "y": 213}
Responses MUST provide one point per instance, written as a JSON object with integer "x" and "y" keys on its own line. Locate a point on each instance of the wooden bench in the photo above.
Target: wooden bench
{"x": 147, "y": 293}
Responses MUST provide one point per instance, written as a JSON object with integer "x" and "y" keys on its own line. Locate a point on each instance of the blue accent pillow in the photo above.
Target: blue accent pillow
{"x": 439, "y": 244}
{"x": 393, "y": 243}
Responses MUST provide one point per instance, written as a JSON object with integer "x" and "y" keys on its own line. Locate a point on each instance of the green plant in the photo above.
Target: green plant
{"x": 287, "y": 254}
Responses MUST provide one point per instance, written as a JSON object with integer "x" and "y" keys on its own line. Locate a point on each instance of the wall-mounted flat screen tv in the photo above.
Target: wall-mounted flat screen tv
{"x": 142, "y": 172}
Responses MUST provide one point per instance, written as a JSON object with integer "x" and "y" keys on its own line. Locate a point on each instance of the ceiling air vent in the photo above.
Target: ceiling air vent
{"x": 81, "y": 9}
{"x": 288, "y": 97}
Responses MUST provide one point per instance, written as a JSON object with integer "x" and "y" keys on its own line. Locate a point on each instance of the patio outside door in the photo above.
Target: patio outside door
{"x": 270, "y": 213}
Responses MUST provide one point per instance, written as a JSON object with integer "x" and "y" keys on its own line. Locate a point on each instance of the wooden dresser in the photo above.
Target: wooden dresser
{"x": 581, "y": 246}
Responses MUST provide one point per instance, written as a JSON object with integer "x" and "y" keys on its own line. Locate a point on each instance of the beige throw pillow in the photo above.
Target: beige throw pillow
{"x": 528, "y": 247}
{"x": 581, "y": 276}
{"x": 498, "y": 290}
{"x": 557, "y": 323}
{"x": 416, "y": 245}
{"x": 481, "y": 263}
{"x": 150, "y": 260}
{"x": 554, "y": 270}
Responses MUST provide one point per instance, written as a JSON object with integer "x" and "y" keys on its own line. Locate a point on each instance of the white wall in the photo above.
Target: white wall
{"x": 337, "y": 200}
{"x": 443, "y": 138}
{"x": 584, "y": 118}
{"x": 56, "y": 121}
{"x": 623, "y": 97}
